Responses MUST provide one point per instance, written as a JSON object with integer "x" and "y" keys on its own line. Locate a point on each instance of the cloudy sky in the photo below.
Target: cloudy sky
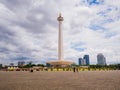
{"x": 29, "y": 30}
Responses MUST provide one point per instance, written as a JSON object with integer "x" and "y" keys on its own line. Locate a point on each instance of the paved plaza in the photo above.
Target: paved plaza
{"x": 60, "y": 80}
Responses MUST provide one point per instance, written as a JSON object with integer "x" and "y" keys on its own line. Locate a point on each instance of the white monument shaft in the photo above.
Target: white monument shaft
{"x": 60, "y": 39}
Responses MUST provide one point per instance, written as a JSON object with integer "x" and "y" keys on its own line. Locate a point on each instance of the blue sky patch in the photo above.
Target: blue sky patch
{"x": 93, "y": 2}
{"x": 97, "y": 27}
{"x": 79, "y": 49}
{"x": 78, "y": 46}
{"x": 110, "y": 35}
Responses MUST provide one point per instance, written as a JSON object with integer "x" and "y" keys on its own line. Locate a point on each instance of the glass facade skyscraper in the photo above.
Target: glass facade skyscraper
{"x": 101, "y": 60}
{"x": 86, "y": 57}
{"x": 0, "y": 66}
{"x": 84, "y": 60}
{"x": 80, "y": 61}
{"x": 21, "y": 63}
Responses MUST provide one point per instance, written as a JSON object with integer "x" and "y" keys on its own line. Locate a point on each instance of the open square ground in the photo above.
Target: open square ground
{"x": 60, "y": 80}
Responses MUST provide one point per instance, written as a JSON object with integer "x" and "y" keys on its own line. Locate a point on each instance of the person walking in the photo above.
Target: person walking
{"x": 74, "y": 69}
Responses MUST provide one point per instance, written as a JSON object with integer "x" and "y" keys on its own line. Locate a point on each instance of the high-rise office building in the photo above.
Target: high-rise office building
{"x": 86, "y": 57}
{"x": 21, "y": 63}
{"x": 101, "y": 60}
{"x": 11, "y": 64}
{"x": 81, "y": 61}
{"x": 0, "y": 66}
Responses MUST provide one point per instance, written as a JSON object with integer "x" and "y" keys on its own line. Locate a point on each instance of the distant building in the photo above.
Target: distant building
{"x": 30, "y": 62}
{"x": 21, "y": 63}
{"x": 84, "y": 61}
{"x": 81, "y": 61}
{"x": 0, "y": 66}
{"x": 86, "y": 57}
{"x": 101, "y": 60}
{"x": 11, "y": 64}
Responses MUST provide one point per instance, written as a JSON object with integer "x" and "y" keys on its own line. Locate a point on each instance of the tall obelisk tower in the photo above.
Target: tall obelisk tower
{"x": 60, "y": 39}
{"x": 60, "y": 62}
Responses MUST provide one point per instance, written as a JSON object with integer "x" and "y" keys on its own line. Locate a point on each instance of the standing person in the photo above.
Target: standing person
{"x": 31, "y": 70}
{"x": 77, "y": 69}
{"x": 74, "y": 69}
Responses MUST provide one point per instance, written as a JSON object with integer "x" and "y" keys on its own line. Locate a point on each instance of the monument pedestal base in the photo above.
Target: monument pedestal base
{"x": 59, "y": 63}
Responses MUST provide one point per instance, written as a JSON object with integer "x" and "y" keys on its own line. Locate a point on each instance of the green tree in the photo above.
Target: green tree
{"x": 42, "y": 65}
